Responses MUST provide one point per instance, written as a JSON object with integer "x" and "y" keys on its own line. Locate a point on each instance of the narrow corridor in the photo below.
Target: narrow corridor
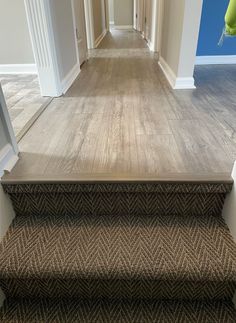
{"x": 121, "y": 117}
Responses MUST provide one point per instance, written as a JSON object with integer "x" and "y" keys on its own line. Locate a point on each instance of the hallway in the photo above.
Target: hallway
{"x": 120, "y": 117}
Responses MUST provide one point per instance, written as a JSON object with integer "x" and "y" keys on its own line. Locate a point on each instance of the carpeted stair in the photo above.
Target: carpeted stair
{"x": 118, "y": 252}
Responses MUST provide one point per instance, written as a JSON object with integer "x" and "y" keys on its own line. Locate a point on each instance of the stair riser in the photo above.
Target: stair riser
{"x": 118, "y": 203}
{"x": 116, "y": 311}
{"x": 132, "y": 289}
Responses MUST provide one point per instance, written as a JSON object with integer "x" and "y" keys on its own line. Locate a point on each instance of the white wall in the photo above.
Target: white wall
{"x": 123, "y": 12}
{"x": 191, "y": 27}
{"x": 62, "y": 19}
{"x": 111, "y": 11}
{"x": 14, "y": 34}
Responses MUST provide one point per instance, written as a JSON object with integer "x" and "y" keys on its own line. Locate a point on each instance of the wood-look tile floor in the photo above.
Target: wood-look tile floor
{"x": 24, "y": 101}
{"x": 121, "y": 117}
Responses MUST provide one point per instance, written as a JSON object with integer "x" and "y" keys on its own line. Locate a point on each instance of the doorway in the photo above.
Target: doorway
{"x": 18, "y": 71}
{"x": 80, "y": 30}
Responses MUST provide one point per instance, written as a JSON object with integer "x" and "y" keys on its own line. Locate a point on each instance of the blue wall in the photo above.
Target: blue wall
{"x": 212, "y": 23}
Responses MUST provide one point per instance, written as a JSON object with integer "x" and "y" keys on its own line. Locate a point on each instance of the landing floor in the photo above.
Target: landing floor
{"x": 121, "y": 117}
{"x": 24, "y": 101}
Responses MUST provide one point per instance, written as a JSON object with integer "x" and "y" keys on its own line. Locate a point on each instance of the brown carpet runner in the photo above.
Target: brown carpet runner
{"x": 116, "y": 311}
{"x": 62, "y": 262}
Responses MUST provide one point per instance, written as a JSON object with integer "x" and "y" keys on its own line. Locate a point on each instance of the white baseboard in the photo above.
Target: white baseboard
{"x": 123, "y": 27}
{"x": 211, "y": 60}
{"x": 184, "y": 83}
{"x": 18, "y": 69}
{"x": 70, "y": 78}
{"x": 177, "y": 83}
{"x": 100, "y": 38}
{"x": 8, "y": 159}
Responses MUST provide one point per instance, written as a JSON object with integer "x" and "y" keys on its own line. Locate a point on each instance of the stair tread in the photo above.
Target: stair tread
{"x": 104, "y": 311}
{"x": 119, "y": 247}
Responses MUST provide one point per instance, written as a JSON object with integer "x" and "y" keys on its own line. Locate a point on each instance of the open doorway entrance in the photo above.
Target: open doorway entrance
{"x": 23, "y": 99}
{"x": 148, "y": 21}
{"x": 18, "y": 72}
{"x": 121, "y": 14}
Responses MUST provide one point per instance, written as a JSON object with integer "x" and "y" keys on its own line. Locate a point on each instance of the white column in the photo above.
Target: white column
{"x": 42, "y": 37}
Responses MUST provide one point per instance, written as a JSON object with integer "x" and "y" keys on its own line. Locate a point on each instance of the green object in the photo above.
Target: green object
{"x": 230, "y": 19}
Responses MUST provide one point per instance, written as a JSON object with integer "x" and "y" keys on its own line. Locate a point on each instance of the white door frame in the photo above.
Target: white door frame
{"x": 9, "y": 153}
{"x": 159, "y": 25}
{"x": 41, "y": 31}
{"x": 88, "y": 8}
{"x": 107, "y": 15}
{"x": 75, "y": 37}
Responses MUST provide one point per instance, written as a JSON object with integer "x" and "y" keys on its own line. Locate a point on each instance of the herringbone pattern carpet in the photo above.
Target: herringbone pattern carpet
{"x": 116, "y": 256}
{"x": 118, "y": 252}
{"x": 119, "y": 198}
{"x": 114, "y": 311}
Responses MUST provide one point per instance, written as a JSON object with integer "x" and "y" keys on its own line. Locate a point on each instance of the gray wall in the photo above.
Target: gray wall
{"x": 123, "y": 12}
{"x": 98, "y": 17}
{"x": 62, "y": 18}
{"x": 14, "y": 35}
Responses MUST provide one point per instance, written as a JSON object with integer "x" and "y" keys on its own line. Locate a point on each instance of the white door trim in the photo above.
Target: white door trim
{"x": 39, "y": 19}
{"x": 9, "y": 153}
{"x": 159, "y": 25}
{"x": 88, "y": 8}
{"x": 107, "y": 15}
{"x": 74, "y": 25}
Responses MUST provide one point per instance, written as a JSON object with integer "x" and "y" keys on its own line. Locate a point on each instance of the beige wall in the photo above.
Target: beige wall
{"x": 123, "y": 12}
{"x": 99, "y": 19}
{"x": 14, "y": 35}
{"x": 192, "y": 20}
{"x": 181, "y": 22}
{"x": 173, "y": 19}
{"x": 62, "y": 18}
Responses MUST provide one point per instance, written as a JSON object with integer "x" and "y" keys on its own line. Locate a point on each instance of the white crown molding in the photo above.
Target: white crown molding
{"x": 100, "y": 38}
{"x": 18, "y": 69}
{"x": 218, "y": 59}
{"x": 123, "y": 27}
{"x": 70, "y": 78}
{"x": 177, "y": 83}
